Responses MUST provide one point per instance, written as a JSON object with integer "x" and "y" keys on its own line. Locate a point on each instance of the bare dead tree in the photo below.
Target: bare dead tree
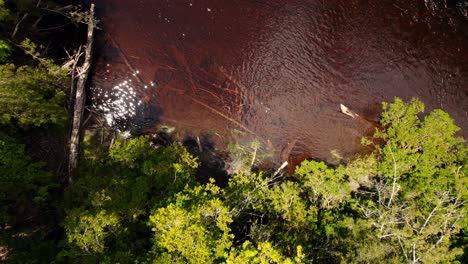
{"x": 80, "y": 96}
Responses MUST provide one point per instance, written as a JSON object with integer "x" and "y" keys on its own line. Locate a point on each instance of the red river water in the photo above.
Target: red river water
{"x": 277, "y": 70}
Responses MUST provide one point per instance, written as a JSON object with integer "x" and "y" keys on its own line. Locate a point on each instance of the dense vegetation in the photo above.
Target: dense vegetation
{"x": 136, "y": 201}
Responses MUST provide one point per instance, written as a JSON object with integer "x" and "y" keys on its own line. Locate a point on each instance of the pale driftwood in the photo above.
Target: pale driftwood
{"x": 348, "y": 112}
{"x": 80, "y": 97}
{"x": 284, "y": 165}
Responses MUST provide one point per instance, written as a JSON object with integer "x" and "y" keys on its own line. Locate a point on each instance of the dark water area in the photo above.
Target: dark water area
{"x": 277, "y": 70}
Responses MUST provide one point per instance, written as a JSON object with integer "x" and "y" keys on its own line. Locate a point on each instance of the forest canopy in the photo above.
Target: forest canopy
{"x": 141, "y": 202}
{"x": 405, "y": 202}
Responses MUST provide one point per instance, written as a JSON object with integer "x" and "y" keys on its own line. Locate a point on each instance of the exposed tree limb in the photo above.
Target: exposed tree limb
{"x": 394, "y": 177}
{"x": 18, "y": 24}
{"x": 280, "y": 168}
{"x": 200, "y": 148}
{"x": 428, "y": 218}
{"x": 72, "y": 65}
{"x": 80, "y": 98}
{"x": 254, "y": 156}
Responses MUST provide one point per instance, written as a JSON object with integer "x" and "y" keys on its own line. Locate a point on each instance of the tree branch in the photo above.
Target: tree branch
{"x": 394, "y": 177}
{"x": 18, "y": 24}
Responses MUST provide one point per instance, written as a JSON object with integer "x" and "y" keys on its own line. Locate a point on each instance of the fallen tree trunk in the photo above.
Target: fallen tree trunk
{"x": 80, "y": 96}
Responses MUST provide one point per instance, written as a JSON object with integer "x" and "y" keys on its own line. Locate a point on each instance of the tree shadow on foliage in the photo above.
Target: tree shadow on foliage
{"x": 212, "y": 161}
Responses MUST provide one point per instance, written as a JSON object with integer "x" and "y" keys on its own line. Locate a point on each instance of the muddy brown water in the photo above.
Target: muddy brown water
{"x": 277, "y": 70}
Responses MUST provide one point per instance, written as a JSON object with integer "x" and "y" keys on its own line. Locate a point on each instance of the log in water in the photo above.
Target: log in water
{"x": 277, "y": 70}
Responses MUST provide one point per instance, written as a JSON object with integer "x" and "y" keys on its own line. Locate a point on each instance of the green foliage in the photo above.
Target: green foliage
{"x": 461, "y": 241}
{"x": 32, "y": 99}
{"x": 244, "y": 156}
{"x": 246, "y": 191}
{"x": 88, "y": 230}
{"x": 123, "y": 186}
{"x": 4, "y": 13}
{"x": 427, "y": 150}
{"x": 31, "y": 96}
{"x": 21, "y": 180}
{"x": 327, "y": 188}
{"x": 419, "y": 194}
{"x": 167, "y": 170}
{"x": 286, "y": 201}
{"x": 25, "y": 187}
{"x": 137, "y": 202}
{"x": 5, "y": 51}
{"x": 402, "y": 203}
{"x": 262, "y": 254}
{"x": 195, "y": 227}
{"x": 30, "y": 245}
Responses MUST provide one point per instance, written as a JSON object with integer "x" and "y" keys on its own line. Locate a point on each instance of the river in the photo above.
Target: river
{"x": 276, "y": 70}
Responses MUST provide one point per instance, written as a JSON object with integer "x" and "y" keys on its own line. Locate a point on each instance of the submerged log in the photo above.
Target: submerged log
{"x": 80, "y": 96}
